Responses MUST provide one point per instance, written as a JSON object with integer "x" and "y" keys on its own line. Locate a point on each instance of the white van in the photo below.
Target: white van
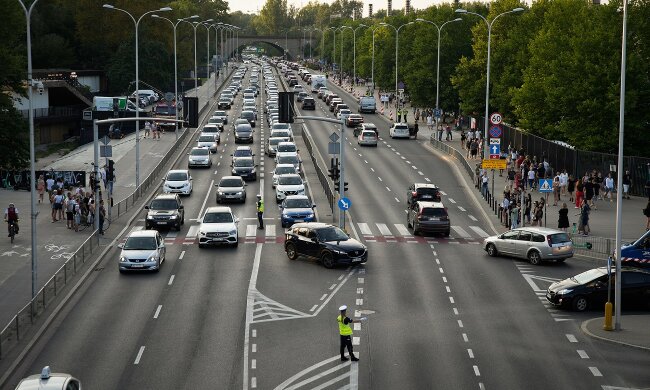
{"x": 149, "y": 93}
{"x": 367, "y": 104}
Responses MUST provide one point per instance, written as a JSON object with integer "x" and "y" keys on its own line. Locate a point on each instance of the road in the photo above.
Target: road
{"x": 441, "y": 313}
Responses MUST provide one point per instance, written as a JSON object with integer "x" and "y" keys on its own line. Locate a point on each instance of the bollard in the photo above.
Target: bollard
{"x": 608, "y": 317}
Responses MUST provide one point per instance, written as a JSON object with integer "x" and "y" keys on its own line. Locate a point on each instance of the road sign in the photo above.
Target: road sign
{"x": 400, "y": 85}
{"x": 496, "y": 118}
{"x": 495, "y": 141}
{"x": 494, "y": 164}
{"x": 495, "y": 131}
{"x": 169, "y": 96}
{"x": 333, "y": 148}
{"x": 344, "y": 204}
{"x": 334, "y": 137}
{"x": 495, "y": 151}
{"x": 105, "y": 151}
{"x": 545, "y": 185}
{"x": 400, "y": 90}
{"x": 105, "y": 140}
{"x": 437, "y": 113}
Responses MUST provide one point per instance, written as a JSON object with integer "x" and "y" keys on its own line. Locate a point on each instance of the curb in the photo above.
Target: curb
{"x": 586, "y": 331}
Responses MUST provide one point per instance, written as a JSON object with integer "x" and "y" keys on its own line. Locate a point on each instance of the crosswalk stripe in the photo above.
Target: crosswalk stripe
{"x": 451, "y": 200}
{"x": 250, "y": 230}
{"x": 402, "y": 229}
{"x": 443, "y": 193}
{"x": 171, "y": 235}
{"x": 383, "y": 229}
{"x": 194, "y": 229}
{"x": 479, "y": 231}
{"x": 461, "y": 232}
{"x": 365, "y": 230}
{"x": 270, "y": 231}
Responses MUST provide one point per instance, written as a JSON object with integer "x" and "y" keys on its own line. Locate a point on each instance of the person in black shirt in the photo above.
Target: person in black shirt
{"x": 627, "y": 182}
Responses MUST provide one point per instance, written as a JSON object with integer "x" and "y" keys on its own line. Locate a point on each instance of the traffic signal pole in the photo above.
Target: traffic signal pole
{"x": 342, "y": 176}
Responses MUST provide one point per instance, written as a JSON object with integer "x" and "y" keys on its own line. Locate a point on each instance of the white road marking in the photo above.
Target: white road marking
{"x": 472, "y": 218}
{"x": 206, "y": 198}
{"x": 250, "y": 230}
{"x": 340, "y": 277}
{"x": 448, "y": 289}
{"x": 396, "y": 200}
{"x": 181, "y": 256}
{"x": 461, "y": 209}
{"x": 420, "y": 173}
{"x": 254, "y": 364}
{"x": 366, "y": 161}
{"x": 171, "y": 280}
{"x": 442, "y": 271}
{"x": 414, "y": 167}
{"x": 253, "y": 347}
{"x": 372, "y": 169}
{"x": 359, "y": 301}
{"x": 451, "y": 299}
{"x": 583, "y": 354}
{"x": 455, "y": 311}
{"x": 253, "y": 383}
{"x": 270, "y": 231}
{"x": 476, "y": 371}
{"x": 479, "y": 231}
{"x": 360, "y": 280}
{"x": 427, "y": 179}
{"x": 438, "y": 261}
{"x": 332, "y": 287}
{"x": 595, "y": 371}
{"x": 408, "y": 162}
{"x": 249, "y": 308}
{"x": 460, "y": 231}
{"x": 571, "y": 338}
{"x": 313, "y": 308}
{"x": 365, "y": 230}
{"x": 379, "y": 178}
{"x": 360, "y": 290}
{"x": 139, "y": 356}
{"x": 192, "y": 231}
{"x": 357, "y": 326}
{"x": 443, "y": 193}
{"x": 323, "y": 297}
{"x": 451, "y": 200}
{"x": 383, "y": 229}
{"x": 460, "y": 323}
{"x": 465, "y": 338}
{"x": 403, "y": 158}
{"x": 470, "y": 353}
{"x": 157, "y": 313}
{"x": 355, "y": 340}
{"x": 388, "y": 188}
{"x": 254, "y": 332}
{"x": 401, "y": 229}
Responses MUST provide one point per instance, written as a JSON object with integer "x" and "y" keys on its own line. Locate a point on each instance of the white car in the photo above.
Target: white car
{"x": 291, "y": 159}
{"x": 289, "y": 184}
{"x": 48, "y": 380}
{"x": 143, "y": 250}
{"x": 367, "y": 137}
{"x": 199, "y": 157}
{"x": 218, "y": 226}
{"x": 282, "y": 126}
{"x": 221, "y": 114}
{"x": 178, "y": 181}
{"x": 208, "y": 140}
{"x": 343, "y": 114}
{"x": 282, "y": 169}
{"x": 399, "y": 130}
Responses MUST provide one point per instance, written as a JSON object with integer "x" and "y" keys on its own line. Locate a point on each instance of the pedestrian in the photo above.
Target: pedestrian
{"x": 77, "y": 214}
{"x": 260, "y": 211}
{"x": 154, "y": 130}
{"x": 579, "y": 193}
{"x": 563, "y": 219}
{"x": 147, "y": 128}
{"x": 48, "y": 186}
{"x": 449, "y": 135}
{"x": 439, "y": 132}
{"x": 570, "y": 187}
{"x": 473, "y": 148}
{"x": 505, "y": 209}
{"x": 584, "y": 217}
{"x": 415, "y": 130}
{"x": 70, "y": 209}
{"x": 511, "y": 176}
{"x": 556, "y": 190}
{"x": 57, "y": 212}
{"x": 598, "y": 183}
{"x": 627, "y": 182}
{"x": 646, "y": 212}
{"x": 531, "y": 178}
{"x": 609, "y": 186}
{"x": 40, "y": 187}
{"x": 429, "y": 122}
{"x": 514, "y": 216}
{"x": 536, "y": 217}
{"x": 463, "y": 138}
{"x": 102, "y": 216}
{"x": 484, "y": 184}
{"x": 345, "y": 332}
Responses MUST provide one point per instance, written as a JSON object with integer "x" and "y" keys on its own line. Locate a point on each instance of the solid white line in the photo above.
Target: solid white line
{"x": 472, "y": 218}
{"x": 476, "y": 371}
{"x": 595, "y": 371}
{"x": 137, "y": 358}
{"x": 249, "y": 308}
{"x": 451, "y": 200}
{"x": 470, "y": 353}
{"x": 157, "y": 311}
{"x": 171, "y": 280}
{"x": 572, "y": 338}
{"x": 583, "y": 354}
{"x": 206, "y": 198}
{"x": 181, "y": 255}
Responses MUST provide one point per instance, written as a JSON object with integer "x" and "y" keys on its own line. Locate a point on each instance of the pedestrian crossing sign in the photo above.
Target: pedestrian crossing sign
{"x": 545, "y": 185}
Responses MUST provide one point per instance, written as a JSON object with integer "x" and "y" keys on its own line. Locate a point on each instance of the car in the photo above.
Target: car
{"x": 281, "y": 133}
{"x": 289, "y": 184}
{"x": 250, "y": 107}
{"x": 228, "y": 95}
{"x": 243, "y": 133}
{"x": 399, "y": 130}
{"x": 282, "y": 169}
{"x": 244, "y": 167}
{"x": 367, "y": 104}
{"x": 353, "y": 120}
{"x": 370, "y": 126}
{"x": 48, "y": 380}
{"x": 308, "y": 103}
{"x": 224, "y": 103}
{"x": 296, "y": 208}
{"x": 243, "y": 151}
{"x": 328, "y": 98}
{"x": 249, "y": 116}
{"x": 143, "y": 250}
{"x": 272, "y": 145}
{"x": 423, "y": 191}
{"x": 165, "y": 210}
{"x": 343, "y": 114}
{"x": 301, "y": 96}
{"x": 333, "y": 103}
{"x": 199, "y": 157}
{"x": 368, "y": 138}
{"x": 298, "y": 88}
{"x": 218, "y": 121}
{"x": 218, "y": 226}
{"x": 290, "y": 159}
{"x": 534, "y": 243}
{"x": 326, "y": 243}
{"x": 208, "y": 140}
{"x": 286, "y": 148}
{"x": 231, "y": 188}
{"x": 179, "y": 181}
{"x": 238, "y": 122}
{"x": 321, "y": 92}
{"x": 588, "y": 290}
{"x": 428, "y": 217}
{"x": 221, "y": 114}
{"x": 340, "y": 107}
{"x": 249, "y": 95}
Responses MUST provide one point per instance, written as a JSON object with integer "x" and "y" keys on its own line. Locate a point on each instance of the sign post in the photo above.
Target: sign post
{"x": 545, "y": 186}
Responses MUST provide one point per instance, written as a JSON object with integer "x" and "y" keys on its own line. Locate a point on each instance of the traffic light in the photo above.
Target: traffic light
{"x": 337, "y": 186}
{"x": 334, "y": 174}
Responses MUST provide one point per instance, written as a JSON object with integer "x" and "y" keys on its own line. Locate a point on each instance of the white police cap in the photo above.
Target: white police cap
{"x": 344, "y": 307}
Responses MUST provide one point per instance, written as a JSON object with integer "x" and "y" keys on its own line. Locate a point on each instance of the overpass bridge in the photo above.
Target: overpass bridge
{"x": 292, "y": 46}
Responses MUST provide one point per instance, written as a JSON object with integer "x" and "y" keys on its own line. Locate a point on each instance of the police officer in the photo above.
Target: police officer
{"x": 346, "y": 334}
{"x": 260, "y": 211}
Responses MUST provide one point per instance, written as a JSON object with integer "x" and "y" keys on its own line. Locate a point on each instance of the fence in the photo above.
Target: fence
{"x": 320, "y": 170}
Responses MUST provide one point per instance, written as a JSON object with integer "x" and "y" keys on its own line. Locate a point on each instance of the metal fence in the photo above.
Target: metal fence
{"x": 320, "y": 170}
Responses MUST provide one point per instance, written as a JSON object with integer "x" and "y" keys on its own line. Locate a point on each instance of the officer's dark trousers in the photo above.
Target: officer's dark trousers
{"x": 260, "y": 220}
{"x": 346, "y": 341}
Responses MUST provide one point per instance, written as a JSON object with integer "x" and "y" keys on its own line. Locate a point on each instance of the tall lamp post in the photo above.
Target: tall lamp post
{"x": 372, "y": 68}
{"x": 196, "y": 70}
{"x": 334, "y": 29}
{"x": 286, "y": 45}
{"x": 207, "y": 25}
{"x": 487, "y": 83}
{"x": 343, "y": 28}
{"x": 32, "y": 156}
{"x": 396, "y": 49}
{"x": 137, "y": 84}
{"x": 438, "y": 61}
{"x": 174, "y": 26}
{"x": 354, "y": 53}
{"x": 221, "y": 26}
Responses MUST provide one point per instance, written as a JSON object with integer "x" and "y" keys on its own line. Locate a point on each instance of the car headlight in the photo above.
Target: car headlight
{"x": 173, "y": 217}
{"x": 565, "y": 291}
{"x": 238, "y": 193}
{"x": 153, "y": 258}
{"x": 123, "y": 259}
{"x": 232, "y": 232}
{"x": 219, "y": 192}
{"x": 302, "y": 191}
{"x": 338, "y": 251}
{"x": 310, "y": 215}
{"x": 149, "y": 216}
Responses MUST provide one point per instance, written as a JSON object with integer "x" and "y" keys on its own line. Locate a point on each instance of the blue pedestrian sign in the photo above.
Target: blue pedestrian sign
{"x": 545, "y": 185}
{"x": 437, "y": 113}
{"x": 344, "y": 204}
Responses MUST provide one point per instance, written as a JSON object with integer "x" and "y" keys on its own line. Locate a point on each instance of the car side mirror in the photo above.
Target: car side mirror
{"x": 181, "y": 207}
{"x": 121, "y": 246}
{"x": 313, "y": 206}
{"x": 146, "y": 207}
{"x": 314, "y": 239}
{"x": 188, "y": 154}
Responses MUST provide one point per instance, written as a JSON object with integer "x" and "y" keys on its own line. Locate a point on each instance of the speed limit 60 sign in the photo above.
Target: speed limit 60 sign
{"x": 496, "y": 118}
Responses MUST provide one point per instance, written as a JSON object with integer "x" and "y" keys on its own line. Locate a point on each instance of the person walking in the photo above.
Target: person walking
{"x": 40, "y": 187}
{"x": 538, "y": 213}
{"x": 102, "y": 216}
{"x": 570, "y": 187}
{"x": 646, "y": 212}
{"x": 556, "y": 190}
{"x": 463, "y": 138}
{"x": 627, "y": 182}
{"x": 609, "y": 186}
{"x": 260, "y": 211}
{"x": 514, "y": 216}
{"x": 579, "y": 193}
{"x": 57, "y": 204}
{"x": 589, "y": 191}
{"x": 528, "y": 206}
{"x": 70, "y": 208}
{"x": 484, "y": 184}
{"x": 345, "y": 332}
{"x": 563, "y": 218}
{"x": 584, "y": 217}
{"x": 147, "y": 128}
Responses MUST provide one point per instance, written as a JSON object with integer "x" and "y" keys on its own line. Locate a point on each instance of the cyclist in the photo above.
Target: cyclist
{"x": 11, "y": 216}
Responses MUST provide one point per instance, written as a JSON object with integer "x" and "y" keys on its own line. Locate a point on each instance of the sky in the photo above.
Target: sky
{"x": 253, "y": 6}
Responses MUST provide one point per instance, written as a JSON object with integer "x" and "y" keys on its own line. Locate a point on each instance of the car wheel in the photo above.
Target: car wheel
{"x": 534, "y": 258}
{"x": 178, "y": 227}
{"x": 416, "y": 231}
{"x": 327, "y": 259}
{"x": 183, "y": 220}
{"x": 447, "y": 233}
{"x": 579, "y": 303}
{"x": 291, "y": 251}
{"x": 491, "y": 250}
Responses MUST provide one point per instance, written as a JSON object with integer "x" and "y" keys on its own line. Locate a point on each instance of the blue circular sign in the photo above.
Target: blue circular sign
{"x": 344, "y": 204}
{"x": 495, "y": 131}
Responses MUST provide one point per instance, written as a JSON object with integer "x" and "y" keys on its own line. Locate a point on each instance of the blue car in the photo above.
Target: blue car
{"x": 296, "y": 208}
{"x": 637, "y": 254}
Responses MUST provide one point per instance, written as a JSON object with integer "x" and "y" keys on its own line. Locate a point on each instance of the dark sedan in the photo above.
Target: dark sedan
{"x": 244, "y": 167}
{"x": 326, "y": 243}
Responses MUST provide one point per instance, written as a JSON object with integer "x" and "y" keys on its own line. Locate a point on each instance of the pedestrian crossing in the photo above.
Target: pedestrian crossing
{"x": 368, "y": 232}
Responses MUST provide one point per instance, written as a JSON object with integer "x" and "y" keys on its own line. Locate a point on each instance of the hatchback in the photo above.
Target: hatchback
{"x": 244, "y": 167}
{"x": 367, "y": 137}
{"x": 296, "y": 208}
{"x": 199, "y": 157}
{"x": 428, "y": 217}
{"x": 423, "y": 191}
{"x": 399, "y": 130}
{"x": 208, "y": 140}
{"x": 143, "y": 250}
{"x": 272, "y": 145}
{"x": 231, "y": 188}
{"x": 533, "y": 243}
{"x": 308, "y": 103}
{"x": 179, "y": 181}
{"x": 289, "y": 184}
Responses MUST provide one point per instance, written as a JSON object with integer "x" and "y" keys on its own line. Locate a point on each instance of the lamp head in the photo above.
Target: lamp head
{"x": 155, "y": 16}
{"x": 420, "y": 20}
{"x": 165, "y": 9}
{"x": 457, "y": 20}
{"x": 209, "y": 20}
{"x": 461, "y": 11}
{"x": 518, "y": 9}
{"x": 192, "y": 17}
{"x": 108, "y": 6}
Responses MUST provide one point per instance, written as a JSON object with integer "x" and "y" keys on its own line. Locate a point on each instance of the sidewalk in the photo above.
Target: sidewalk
{"x": 56, "y": 243}
{"x": 633, "y": 333}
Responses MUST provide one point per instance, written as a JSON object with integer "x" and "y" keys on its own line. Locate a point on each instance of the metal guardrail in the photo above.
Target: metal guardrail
{"x": 471, "y": 171}
{"x": 320, "y": 171}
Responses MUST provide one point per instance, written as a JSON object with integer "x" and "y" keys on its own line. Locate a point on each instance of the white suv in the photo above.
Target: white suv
{"x": 399, "y": 130}
{"x": 290, "y": 184}
{"x": 218, "y": 226}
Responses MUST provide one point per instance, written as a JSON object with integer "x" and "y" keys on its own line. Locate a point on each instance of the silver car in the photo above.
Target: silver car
{"x": 536, "y": 244}
{"x": 208, "y": 140}
{"x": 143, "y": 250}
{"x": 367, "y": 137}
{"x": 199, "y": 157}
{"x": 231, "y": 188}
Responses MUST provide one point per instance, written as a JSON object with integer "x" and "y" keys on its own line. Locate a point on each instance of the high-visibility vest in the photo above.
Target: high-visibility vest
{"x": 260, "y": 206}
{"x": 344, "y": 330}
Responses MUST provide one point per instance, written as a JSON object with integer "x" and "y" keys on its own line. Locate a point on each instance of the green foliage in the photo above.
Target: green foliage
{"x": 155, "y": 66}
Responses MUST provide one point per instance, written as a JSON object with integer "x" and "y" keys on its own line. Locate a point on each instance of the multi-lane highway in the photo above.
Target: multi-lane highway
{"x": 441, "y": 314}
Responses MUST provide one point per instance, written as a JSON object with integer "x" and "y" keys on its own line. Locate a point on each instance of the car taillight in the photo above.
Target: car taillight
{"x": 548, "y": 240}
{"x": 414, "y": 194}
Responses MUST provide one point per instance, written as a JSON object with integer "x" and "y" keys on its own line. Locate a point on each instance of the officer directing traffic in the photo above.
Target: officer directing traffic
{"x": 346, "y": 334}
{"x": 260, "y": 211}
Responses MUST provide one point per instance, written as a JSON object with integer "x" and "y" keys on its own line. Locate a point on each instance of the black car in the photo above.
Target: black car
{"x": 423, "y": 191}
{"x": 165, "y": 211}
{"x": 308, "y": 103}
{"x": 244, "y": 133}
{"x": 224, "y": 104}
{"x": 326, "y": 243}
{"x": 244, "y": 167}
{"x": 588, "y": 290}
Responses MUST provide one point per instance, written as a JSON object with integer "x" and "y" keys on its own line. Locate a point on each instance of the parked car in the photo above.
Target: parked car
{"x": 536, "y": 244}
{"x": 326, "y": 243}
{"x": 428, "y": 217}
{"x": 399, "y": 130}
{"x": 165, "y": 211}
{"x": 143, "y": 250}
{"x": 231, "y": 188}
{"x": 218, "y": 226}
{"x": 296, "y": 208}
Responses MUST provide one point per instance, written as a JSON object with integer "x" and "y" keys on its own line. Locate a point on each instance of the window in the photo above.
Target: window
{"x": 140, "y": 243}
{"x": 434, "y": 212}
{"x": 559, "y": 238}
{"x": 163, "y": 204}
{"x": 178, "y": 176}
{"x": 510, "y": 235}
{"x": 231, "y": 183}
{"x": 217, "y": 218}
{"x": 524, "y": 236}
{"x": 198, "y": 152}
{"x": 538, "y": 237}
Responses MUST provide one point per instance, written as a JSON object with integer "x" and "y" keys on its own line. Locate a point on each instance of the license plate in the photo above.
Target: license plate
{"x": 426, "y": 196}
{"x": 298, "y": 220}
{"x": 356, "y": 259}
{"x": 137, "y": 266}
{"x": 162, "y": 223}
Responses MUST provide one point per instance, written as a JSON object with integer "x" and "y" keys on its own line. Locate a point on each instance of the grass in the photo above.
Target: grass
{"x": 61, "y": 148}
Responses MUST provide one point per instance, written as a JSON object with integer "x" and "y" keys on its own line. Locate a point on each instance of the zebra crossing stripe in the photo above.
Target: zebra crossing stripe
{"x": 479, "y": 231}
{"x": 193, "y": 231}
{"x": 401, "y": 229}
{"x": 251, "y": 230}
{"x": 461, "y": 232}
{"x": 365, "y": 230}
{"x": 270, "y": 231}
{"x": 383, "y": 229}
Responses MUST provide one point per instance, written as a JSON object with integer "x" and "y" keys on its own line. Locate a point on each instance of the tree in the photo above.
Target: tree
{"x": 272, "y": 19}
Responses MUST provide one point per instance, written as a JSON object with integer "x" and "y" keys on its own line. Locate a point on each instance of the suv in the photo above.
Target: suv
{"x": 308, "y": 103}
{"x": 428, "y": 217}
{"x": 165, "y": 210}
{"x": 399, "y": 130}
{"x": 423, "y": 191}
{"x": 231, "y": 188}
{"x": 326, "y": 243}
{"x": 143, "y": 250}
{"x": 218, "y": 226}
{"x": 531, "y": 242}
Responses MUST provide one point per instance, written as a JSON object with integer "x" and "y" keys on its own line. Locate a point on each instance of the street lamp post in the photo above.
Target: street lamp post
{"x": 354, "y": 54}
{"x": 397, "y": 101}
{"x": 286, "y": 45}
{"x": 372, "y": 69}
{"x": 137, "y": 86}
{"x": 487, "y": 84}
{"x": 196, "y": 71}
{"x": 438, "y": 61}
{"x": 175, "y": 25}
{"x": 341, "y": 65}
{"x": 334, "y": 29}
{"x": 221, "y": 26}
{"x": 206, "y": 24}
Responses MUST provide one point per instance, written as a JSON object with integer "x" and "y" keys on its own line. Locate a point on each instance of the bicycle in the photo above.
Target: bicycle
{"x": 13, "y": 229}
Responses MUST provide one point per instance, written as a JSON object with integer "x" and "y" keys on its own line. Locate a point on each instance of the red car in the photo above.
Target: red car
{"x": 353, "y": 120}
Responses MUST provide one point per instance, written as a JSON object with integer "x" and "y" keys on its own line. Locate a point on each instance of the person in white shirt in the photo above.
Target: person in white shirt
{"x": 564, "y": 181}
{"x": 609, "y": 187}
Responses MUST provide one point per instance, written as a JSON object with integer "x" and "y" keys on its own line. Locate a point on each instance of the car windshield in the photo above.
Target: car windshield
{"x": 231, "y": 183}
{"x": 219, "y": 113}
{"x": 287, "y": 148}
{"x": 434, "y": 212}
{"x": 224, "y": 99}
{"x": 289, "y": 180}
{"x": 163, "y": 204}
{"x": 559, "y": 238}
{"x": 285, "y": 170}
{"x": 331, "y": 234}
{"x": 401, "y": 127}
{"x": 368, "y": 134}
{"x": 281, "y": 133}
{"x": 428, "y": 191}
{"x": 244, "y": 129}
{"x": 297, "y": 203}
{"x": 200, "y": 152}
{"x": 275, "y": 141}
{"x": 281, "y": 126}
{"x": 206, "y": 138}
{"x": 210, "y": 129}
{"x": 177, "y": 176}
{"x": 217, "y": 218}
{"x": 588, "y": 276}
{"x": 243, "y": 162}
{"x": 140, "y": 243}
{"x": 215, "y": 120}
{"x": 288, "y": 160}
{"x": 247, "y": 115}
{"x": 241, "y": 122}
